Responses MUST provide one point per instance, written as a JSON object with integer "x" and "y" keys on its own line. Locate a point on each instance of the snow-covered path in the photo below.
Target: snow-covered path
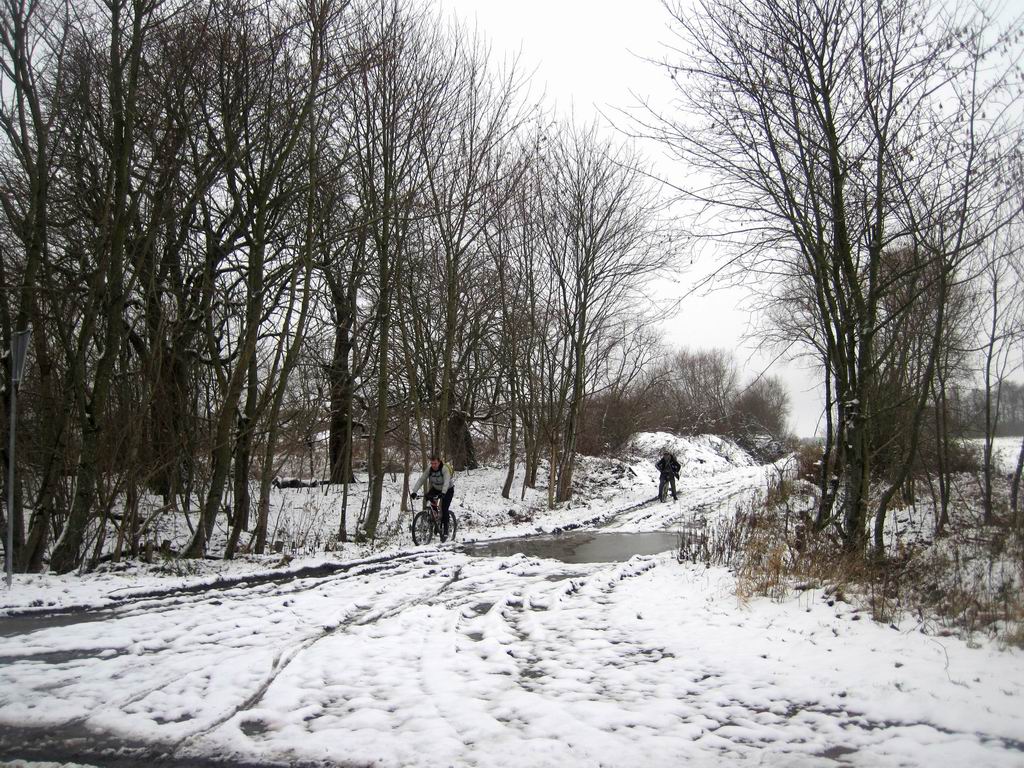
{"x": 433, "y": 657}
{"x": 438, "y": 658}
{"x": 699, "y": 496}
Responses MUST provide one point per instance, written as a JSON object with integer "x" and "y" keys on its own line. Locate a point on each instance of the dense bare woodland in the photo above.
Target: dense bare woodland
{"x": 233, "y": 227}
{"x": 270, "y": 255}
{"x": 244, "y": 231}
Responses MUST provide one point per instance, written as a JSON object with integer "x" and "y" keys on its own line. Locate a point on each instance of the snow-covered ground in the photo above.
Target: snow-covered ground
{"x": 715, "y": 474}
{"x": 432, "y": 657}
{"x": 1005, "y": 451}
{"x": 438, "y": 658}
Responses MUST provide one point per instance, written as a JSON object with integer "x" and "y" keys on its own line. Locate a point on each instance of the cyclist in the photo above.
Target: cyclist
{"x": 438, "y": 478}
{"x": 669, "y": 469}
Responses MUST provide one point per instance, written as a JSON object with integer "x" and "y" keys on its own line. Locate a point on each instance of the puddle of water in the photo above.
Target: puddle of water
{"x": 24, "y": 623}
{"x": 581, "y": 546}
{"x": 837, "y": 752}
{"x": 52, "y": 657}
{"x": 253, "y": 727}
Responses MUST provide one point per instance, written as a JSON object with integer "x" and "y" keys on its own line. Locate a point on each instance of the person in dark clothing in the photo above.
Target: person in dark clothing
{"x": 440, "y": 485}
{"x": 669, "y": 469}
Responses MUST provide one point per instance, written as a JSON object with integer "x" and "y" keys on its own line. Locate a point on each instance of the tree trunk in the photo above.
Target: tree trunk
{"x": 266, "y": 480}
{"x": 347, "y": 478}
{"x": 220, "y": 458}
{"x": 858, "y": 478}
{"x": 530, "y": 481}
{"x": 827, "y": 488}
{"x": 451, "y": 441}
{"x": 575, "y": 410}
{"x": 406, "y": 465}
{"x": 369, "y": 530}
{"x": 942, "y": 457}
{"x": 340, "y": 375}
{"x": 552, "y": 469}
{"x": 30, "y": 140}
{"x": 243, "y": 463}
{"x": 991, "y": 418}
{"x": 1015, "y": 506}
{"x": 53, "y": 439}
{"x": 67, "y": 552}
{"x": 513, "y": 447}
{"x": 461, "y": 452}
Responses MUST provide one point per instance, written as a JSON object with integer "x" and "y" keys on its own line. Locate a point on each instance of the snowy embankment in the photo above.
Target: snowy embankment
{"x": 609, "y": 492}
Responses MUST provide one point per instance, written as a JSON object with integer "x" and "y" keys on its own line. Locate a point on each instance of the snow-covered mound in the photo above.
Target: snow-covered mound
{"x": 697, "y": 454}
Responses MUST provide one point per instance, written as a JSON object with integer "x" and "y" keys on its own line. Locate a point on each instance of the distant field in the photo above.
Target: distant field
{"x": 1005, "y": 451}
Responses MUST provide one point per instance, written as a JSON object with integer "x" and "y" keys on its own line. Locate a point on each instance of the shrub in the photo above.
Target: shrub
{"x": 809, "y": 455}
{"x": 971, "y": 581}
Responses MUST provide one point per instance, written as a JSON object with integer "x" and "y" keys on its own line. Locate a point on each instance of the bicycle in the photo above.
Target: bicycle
{"x": 428, "y": 523}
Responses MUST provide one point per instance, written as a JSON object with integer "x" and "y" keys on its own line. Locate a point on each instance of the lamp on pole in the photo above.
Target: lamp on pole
{"x": 19, "y": 350}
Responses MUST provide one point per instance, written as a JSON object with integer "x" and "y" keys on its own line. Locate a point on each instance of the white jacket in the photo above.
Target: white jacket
{"x": 425, "y": 479}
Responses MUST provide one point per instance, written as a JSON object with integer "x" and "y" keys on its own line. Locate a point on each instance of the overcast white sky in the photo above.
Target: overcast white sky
{"x": 587, "y": 56}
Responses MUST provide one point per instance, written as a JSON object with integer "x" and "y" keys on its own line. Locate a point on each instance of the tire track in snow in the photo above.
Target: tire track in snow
{"x": 533, "y": 618}
{"x": 282, "y": 660}
{"x": 23, "y": 620}
{"x": 362, "y": 612}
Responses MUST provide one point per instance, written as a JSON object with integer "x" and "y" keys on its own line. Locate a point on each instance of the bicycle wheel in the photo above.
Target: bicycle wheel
{"x": 422, "y": 528}
{"x": 448, "y": 532}
{"x": 663, "y": 489}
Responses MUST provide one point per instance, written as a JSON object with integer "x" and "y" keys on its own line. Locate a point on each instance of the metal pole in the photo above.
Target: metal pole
{"x": 19, "y": 348}
{"x": 10, "y": 488}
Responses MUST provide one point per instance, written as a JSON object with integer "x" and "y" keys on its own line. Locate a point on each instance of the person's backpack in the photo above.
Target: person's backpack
{"x": 451, "y": 470}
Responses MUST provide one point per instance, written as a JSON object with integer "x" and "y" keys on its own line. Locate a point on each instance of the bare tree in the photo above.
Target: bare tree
{"x": 822, "y": 128}
{"x": 388, "y": 101}
{"x": 704, "y": 387}
{"x": 32, "y": 49}
{"x": 604, "y": 243}
{"x": 113, "y": 55}
{"x": 1003, "y": 326}
{"x": 266, "y": 108}
{"x": 467, "y": 153}
{"x": 511, "y": 239}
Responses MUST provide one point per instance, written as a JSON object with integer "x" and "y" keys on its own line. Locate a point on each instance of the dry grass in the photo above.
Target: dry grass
{"x": 967, "y": 582}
